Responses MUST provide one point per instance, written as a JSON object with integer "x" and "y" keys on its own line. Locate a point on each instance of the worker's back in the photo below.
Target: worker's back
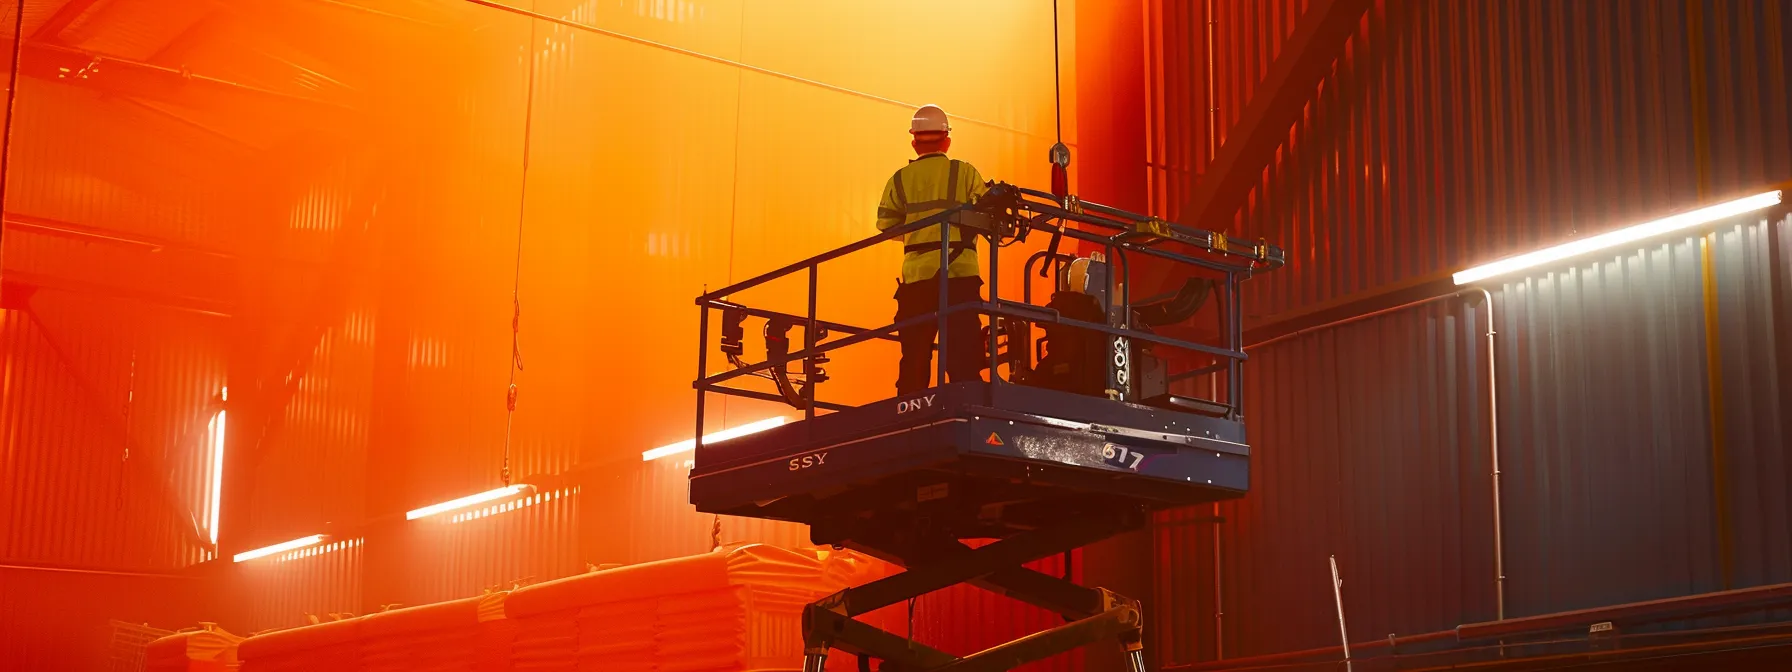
{"x": 925, "y": 187}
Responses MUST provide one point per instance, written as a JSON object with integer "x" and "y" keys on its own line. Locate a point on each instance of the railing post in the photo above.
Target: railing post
{"x": 702, "y": 370}
{"x": 809, "y": 344}
{"x": 1234, "y": 341}
{"x": 941, "y": 277}
{"x": 995, "y": 296}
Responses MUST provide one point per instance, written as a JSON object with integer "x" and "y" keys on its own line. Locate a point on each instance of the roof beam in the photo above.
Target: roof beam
{"x": 149, "y": 81}
{"x": 51, "y": 30}
{"x": 1306, "y": 58}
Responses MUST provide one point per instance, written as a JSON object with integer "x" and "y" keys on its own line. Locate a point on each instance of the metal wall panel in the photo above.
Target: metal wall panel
{"x": 285, "y": 590}
{"x": 107, "y": 457}
{"x": 1754, "y": 284}
{"x": 1370, "y": 444}
{"x": 1605, "y": 435}
{"x": 1452, "y": 133}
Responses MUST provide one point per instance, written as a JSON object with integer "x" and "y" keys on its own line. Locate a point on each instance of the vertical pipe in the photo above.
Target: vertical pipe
{"x": 12, "y": 97}
{"x": 1219, "y": 604}
{"x": 1213, "y": 109}
{"x": 809, "y": 345}
{"x": 1493, "y": 453}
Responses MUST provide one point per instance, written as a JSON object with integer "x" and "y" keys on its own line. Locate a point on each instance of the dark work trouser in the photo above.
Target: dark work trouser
{"x": 965, "y": 349}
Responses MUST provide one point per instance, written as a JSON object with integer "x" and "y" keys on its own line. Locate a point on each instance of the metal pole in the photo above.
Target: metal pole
{"x": 1493, "y": 454}
{"x": 702, "y": 372}
{"x": 995, "y": 296}
{"x": 940, "y": 335}
{"x": 809, "y": 344}
{"x": 1338, "y": 597}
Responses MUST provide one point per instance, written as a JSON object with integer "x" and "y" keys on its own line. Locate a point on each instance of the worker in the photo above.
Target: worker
{"x": 929, "y": 184}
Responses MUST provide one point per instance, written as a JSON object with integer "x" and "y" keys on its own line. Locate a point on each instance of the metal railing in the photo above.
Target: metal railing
{"x": 1010, "y": 212}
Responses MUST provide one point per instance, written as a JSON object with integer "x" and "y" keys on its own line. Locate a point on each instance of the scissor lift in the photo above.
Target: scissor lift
{"x": 1043, "y": 461}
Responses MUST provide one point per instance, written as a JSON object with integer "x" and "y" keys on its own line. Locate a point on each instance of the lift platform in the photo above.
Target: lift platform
{"x": 1070, "y": 439}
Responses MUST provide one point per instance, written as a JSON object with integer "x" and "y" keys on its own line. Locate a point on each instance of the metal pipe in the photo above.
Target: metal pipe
{"x": 767, "y": 396}
{"x": 809, "y": 344}
{"x": 1652, "y": 611}
{"x": 1499, "y": 555}
{"x": 769, "y": 314}
{"x": 1219, "y": 603}
{"x": 1493, "y": 454}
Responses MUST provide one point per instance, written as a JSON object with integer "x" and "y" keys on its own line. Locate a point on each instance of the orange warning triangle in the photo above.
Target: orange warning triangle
{"x": 993, "y": 439}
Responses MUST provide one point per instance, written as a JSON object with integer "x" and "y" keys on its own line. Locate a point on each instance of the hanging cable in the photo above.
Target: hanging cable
{"x": 1057, "y": 86}
{"x": 516, "y": 301}
{"x": 12, "y": 97}
{"x": 1059, "y": 154}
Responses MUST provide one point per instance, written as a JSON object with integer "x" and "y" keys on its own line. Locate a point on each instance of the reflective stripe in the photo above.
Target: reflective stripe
{"x": 924, "y": 206}
{"x": 952, "y": 182}
{"x": 897, "y": 178}
{"x": 957, "y": 247}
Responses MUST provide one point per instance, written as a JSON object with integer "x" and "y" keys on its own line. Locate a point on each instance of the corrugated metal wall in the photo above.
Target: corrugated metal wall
{"x": 1753, "y": 270}
{"x": 1372, "y": 445}
{"x": 1606, "y": 442}
{"x": 284, "y": 590}
{"x": 1452, "y": 133}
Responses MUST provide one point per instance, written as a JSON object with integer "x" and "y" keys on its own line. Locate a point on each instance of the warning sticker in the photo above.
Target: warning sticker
{"x": 993, "y": 439}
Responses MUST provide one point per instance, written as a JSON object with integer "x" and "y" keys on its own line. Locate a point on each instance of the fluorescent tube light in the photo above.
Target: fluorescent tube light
{"x": 217, "y": 490}
{"x": 281, "y": 547}
{"x": 469, "y": 500}
{"x": 724, "y": 435}
{"x": 1622, "y": 236}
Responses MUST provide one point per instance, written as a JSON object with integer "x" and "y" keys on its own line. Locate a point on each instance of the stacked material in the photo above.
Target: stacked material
{"x": 439, "y": 637}
{"x": 730, "y": 610}
{"x": 469, "y": 635}
{"x": 210, "y": 649}
{"x": 493, "y": 640}
{"x": 335, "y": 646}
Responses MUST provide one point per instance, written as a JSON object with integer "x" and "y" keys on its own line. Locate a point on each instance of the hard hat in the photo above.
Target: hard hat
{"x": 929, "y": 119}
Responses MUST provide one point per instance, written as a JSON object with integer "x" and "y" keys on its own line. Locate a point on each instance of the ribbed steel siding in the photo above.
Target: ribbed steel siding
{"x": 1754, "y": 279}
{"x": 282, "y": 590}
{"x": 641, "y": 511}
{"x": 1605, "y": 434}
{"x": 82, "y": 375}
{"x": 1370, "y": 443}
{"x": 500, "y": 547}
{"x": 1457, "y": 132}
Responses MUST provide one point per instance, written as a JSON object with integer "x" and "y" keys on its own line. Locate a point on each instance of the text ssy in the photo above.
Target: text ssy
{"x": 807, "y": 461}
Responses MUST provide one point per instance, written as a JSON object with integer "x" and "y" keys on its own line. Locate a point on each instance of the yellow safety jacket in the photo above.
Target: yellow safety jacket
{"x": 923, "y": 188}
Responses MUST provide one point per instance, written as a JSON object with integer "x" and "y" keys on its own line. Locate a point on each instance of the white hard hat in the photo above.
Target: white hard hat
{"x": 929, "y": 119}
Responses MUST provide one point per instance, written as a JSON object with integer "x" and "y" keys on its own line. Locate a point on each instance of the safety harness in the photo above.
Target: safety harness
{"x": 957, "y": 247}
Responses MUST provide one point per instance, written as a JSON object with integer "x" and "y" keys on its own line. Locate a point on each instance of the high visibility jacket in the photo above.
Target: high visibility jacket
{"x": 925, "y": 187}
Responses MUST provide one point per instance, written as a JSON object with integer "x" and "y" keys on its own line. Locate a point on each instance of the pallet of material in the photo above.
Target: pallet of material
{"x": 334, "y": 645}
{"x": 210, "y": 649}
{"x": 725, "y": 611}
